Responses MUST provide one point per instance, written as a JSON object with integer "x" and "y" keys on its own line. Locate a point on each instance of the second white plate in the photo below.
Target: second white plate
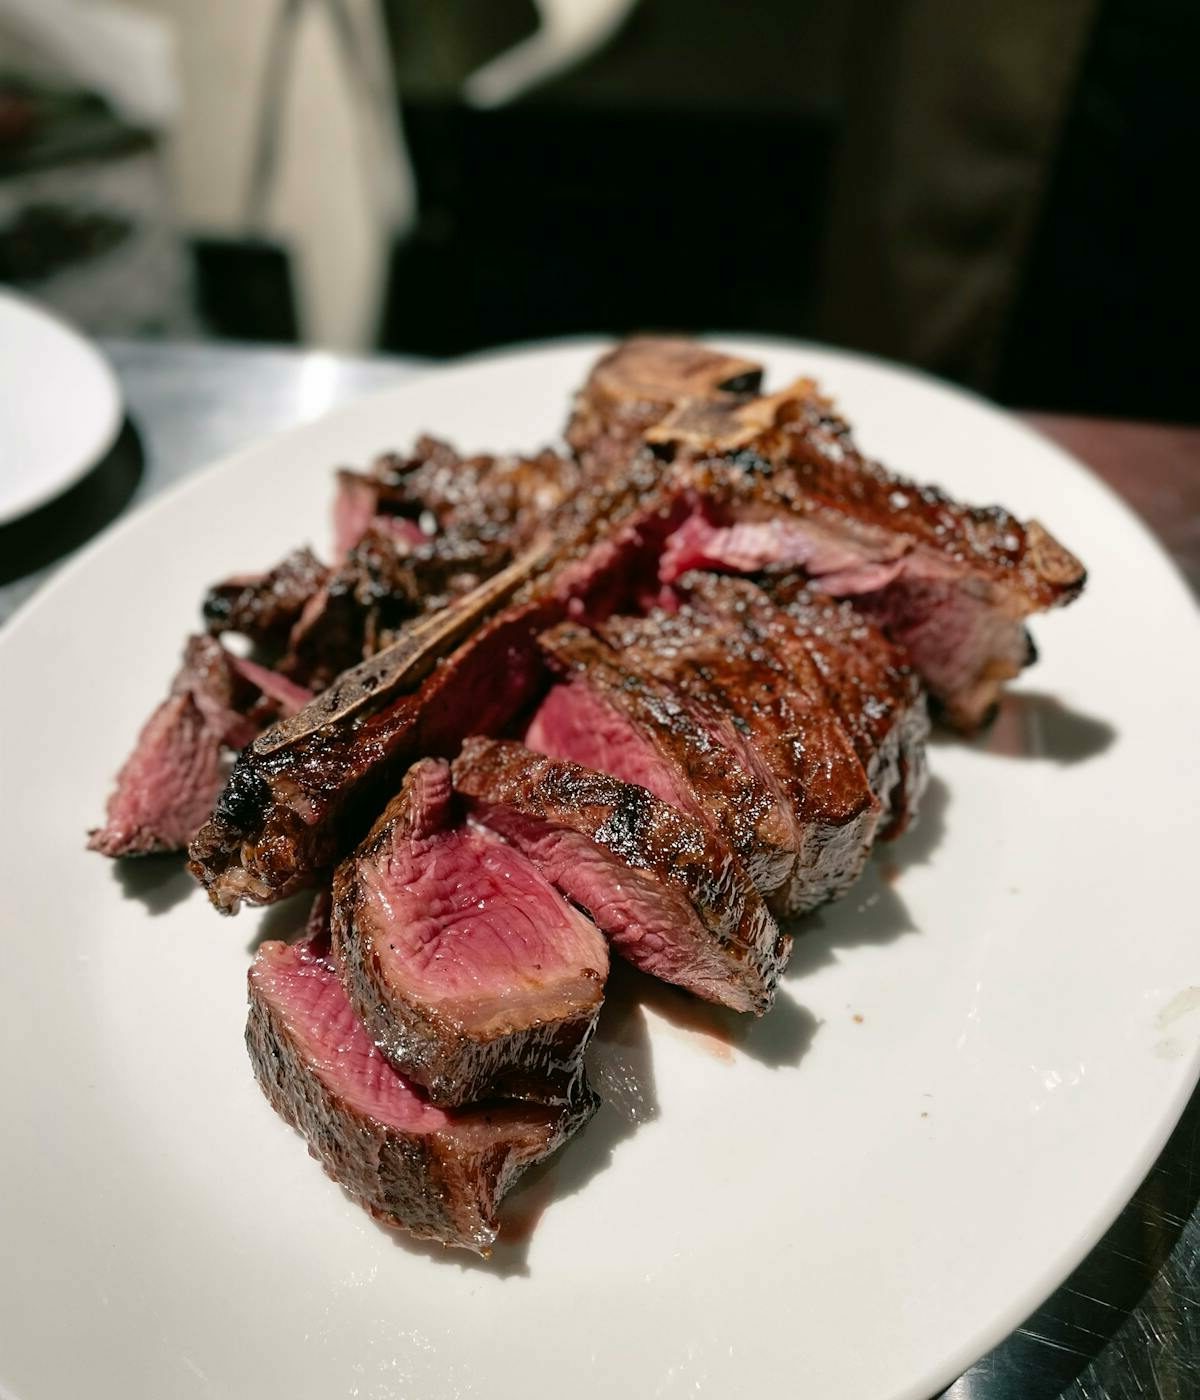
{"x": 60, "y": 407}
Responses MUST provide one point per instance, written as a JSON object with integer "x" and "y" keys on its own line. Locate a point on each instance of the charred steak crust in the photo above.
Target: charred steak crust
{"x": 421, "y": 889}
{"x": 781, "y": 480}
{"x": 876, "y": 692}
{"x": 264, "y": 607}
{"x": 670, "y": 896}
{"x": 438, "y": 1175}
{"x": 708, "y": 779}
{"x": 774, "y": 713}
{"x": 308, "y": 789}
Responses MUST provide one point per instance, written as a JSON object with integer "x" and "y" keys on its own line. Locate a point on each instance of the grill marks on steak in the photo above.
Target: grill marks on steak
{"x": 667, "y": 893}
{"x": 786, "y": 485}
{"x": 613, "y": 717}
{"x": 438, "y": 1174}
{"x": 871, "y": 688}
{"x": 166, "y": 788}
{"x": 773, "y": 712}
{"x": 468, "y": 970}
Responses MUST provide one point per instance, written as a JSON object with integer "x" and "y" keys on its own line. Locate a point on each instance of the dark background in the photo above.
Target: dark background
{"x": 996, "y": 192}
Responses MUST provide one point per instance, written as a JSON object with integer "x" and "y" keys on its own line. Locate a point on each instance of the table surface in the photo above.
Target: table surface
{"x": 1126, "y": 1324}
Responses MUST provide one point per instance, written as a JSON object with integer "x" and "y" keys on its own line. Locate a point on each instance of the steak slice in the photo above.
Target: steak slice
{"x": 470, "y": 973}
{"x": 873, "y": 691}
{"x": 665, "y": 890}
{"x": 437, "y": 1173}
{"x": 265, "y": 607}
{"x": 305, "y": 792}
{"x": 784, "y": 484}
{"x": 873, "y": 688}
{"x": 774, "y": 713}
{"x": 166, "y": 788}
{"x": 613, "y": 716}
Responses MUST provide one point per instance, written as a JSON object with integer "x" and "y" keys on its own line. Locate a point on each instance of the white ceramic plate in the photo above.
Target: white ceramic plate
{"x": 976, "y": 1057}
{"x": 60, "y": 407}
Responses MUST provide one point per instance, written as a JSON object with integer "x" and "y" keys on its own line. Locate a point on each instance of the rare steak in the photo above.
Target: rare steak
{"x": 660, "y": 884}
{"x": 166, "y": 788}
{"x": 437, "y": 1173}
{"x": 613, "y": 716}
{"x": 469, "y": 971}
{"x": 781, "y": 482}
{"x": 773, "y": 712}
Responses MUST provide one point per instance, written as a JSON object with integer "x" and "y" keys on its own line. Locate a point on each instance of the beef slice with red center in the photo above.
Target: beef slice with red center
{"x": 470, "y": 971}
{"x": 777, "y": 718}
{"x": 659, "y": 883}
{"x": 437, "y": 1173}
{"x": 876, "y": 692}
{"x": 839, "y": 655}
{"x": 615, "y": 716}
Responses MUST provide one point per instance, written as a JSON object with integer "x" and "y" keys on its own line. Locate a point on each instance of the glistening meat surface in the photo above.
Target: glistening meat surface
{"x": 774, "y": 714}
{"x": 650, "y": 735}
{"x": 438, "y": 1174}
{"x": 468, "y": 969}
{"x": 665, "y": 890}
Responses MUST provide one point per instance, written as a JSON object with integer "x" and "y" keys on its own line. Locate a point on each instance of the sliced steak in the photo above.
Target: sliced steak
{"x": 357, "y": 508}
{"x": 265, "y": 607}
{"x": 469, "y": 971}
{"x": 613, "y": 716}
{"x": 780, "y": 481}
{"x": 488, "y": 498}
{"x": 774, "y": 713}
{"x": 305, "y": 793}
{"x": 874, "y": 692}
{"x": 437, "y": 1173}
{"x": 660, "y": 884}
{"x": 167, "y": 787}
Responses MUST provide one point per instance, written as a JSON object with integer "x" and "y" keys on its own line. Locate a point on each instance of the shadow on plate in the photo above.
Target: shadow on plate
{"x": 1114, "y": 1303}
{"x": 779, "y": 1039}
{"x": 36, "y": 540}
{"x": 158, "y": 882}
{"x": 1030, "y": 724}
{"x": 872, "y": 911}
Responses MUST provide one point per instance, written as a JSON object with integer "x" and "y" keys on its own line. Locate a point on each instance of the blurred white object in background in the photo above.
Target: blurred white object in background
{"x": 341, "y": 187}
{"x": 111, "y": 49}
{"x": 570, "y": 31}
